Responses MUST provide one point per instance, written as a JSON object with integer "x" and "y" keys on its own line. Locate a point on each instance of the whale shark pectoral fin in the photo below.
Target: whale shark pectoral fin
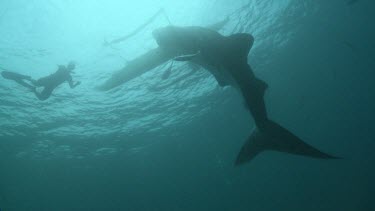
{"x": 137, "y": 67}
{"x": 275, "y": 137}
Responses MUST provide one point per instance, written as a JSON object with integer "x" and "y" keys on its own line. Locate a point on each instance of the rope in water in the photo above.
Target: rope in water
{"x": 160, "y": 11}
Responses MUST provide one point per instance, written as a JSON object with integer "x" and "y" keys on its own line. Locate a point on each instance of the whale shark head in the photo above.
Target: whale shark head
{"x": 177, "y": 40}
{"x": 213, "y": 47}
{"x": 167, "y": 36}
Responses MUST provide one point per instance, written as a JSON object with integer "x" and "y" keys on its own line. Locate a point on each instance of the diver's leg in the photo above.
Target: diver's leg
{"x": 34, "y": 82}
{"x": 45, "y": 94}
{"x": 41, "y": 81}
{"x": 23, "y": 83}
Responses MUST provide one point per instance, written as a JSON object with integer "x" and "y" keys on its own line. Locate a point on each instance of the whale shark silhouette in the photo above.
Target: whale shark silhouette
{"x": 225, "y": 57}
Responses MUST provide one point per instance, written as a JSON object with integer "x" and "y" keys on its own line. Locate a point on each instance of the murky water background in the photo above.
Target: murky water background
{"x": 156, "y": 144}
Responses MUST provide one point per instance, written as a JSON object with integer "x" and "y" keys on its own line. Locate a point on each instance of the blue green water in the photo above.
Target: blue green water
{"x": 155, "y": 144}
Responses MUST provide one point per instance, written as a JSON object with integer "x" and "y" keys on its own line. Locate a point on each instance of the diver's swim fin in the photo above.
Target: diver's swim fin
{"x": 19, "y": 78}
{"x": 14, "y": 76}
{"x": 274, "y": 137}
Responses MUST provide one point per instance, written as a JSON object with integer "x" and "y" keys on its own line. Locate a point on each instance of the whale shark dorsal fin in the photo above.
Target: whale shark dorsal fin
{"x": 239, "y": 44}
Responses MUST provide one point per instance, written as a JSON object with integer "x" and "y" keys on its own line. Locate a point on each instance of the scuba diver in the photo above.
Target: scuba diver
{"x": 63, "y": 74}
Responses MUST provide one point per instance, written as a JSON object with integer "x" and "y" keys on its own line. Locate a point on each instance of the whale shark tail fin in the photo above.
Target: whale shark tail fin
{"x": 274, "y": 137}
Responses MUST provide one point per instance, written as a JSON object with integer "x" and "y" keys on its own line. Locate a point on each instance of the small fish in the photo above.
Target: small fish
{"x": 185, "y": 58}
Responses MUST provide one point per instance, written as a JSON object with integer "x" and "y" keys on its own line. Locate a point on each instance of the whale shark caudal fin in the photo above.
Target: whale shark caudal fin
{"x": 274, "y": 137}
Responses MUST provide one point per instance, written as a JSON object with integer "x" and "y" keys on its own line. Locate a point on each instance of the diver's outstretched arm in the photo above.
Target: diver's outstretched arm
{"x": 72, "y": 84}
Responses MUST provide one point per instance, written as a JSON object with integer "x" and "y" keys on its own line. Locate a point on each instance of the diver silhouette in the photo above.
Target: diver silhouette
{"x": 50, "y": 82}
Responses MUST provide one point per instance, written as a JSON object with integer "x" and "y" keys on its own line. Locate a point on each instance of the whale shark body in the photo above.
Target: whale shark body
{"x": 225, "y": 57}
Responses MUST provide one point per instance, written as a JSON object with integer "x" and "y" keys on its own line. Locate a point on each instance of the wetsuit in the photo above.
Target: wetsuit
{"x": 52, "y": 81}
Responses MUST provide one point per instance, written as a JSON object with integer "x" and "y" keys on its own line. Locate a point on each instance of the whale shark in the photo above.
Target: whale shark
{"x": 226, "y": 58}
